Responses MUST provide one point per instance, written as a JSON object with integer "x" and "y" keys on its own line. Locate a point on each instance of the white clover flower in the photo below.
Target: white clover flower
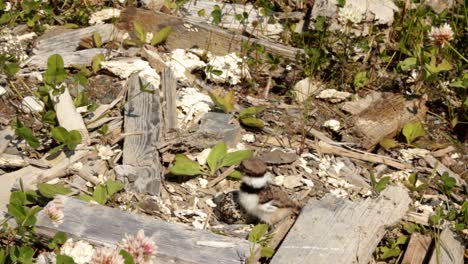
{"x": 141, "y": 248}
{"x": 105, "y": 152}
{"x": 82, "y": 252}
{"x": 105, "y": 255}
{"x": 7, "y": 7}
{"x": 54, "y": 211}
{"x": 441, "y": 35}
{"x": 349, "y": 13}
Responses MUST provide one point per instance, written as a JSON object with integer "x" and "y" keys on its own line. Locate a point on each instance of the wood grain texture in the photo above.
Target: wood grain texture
{"x": 451, "y": 250}
{"x": 175, "y": 243}
{"x": 333, "y": 230}
{"x": 70, "y": 58}
{"x": 417, "y": 249}
{"x": 186, "y": 35}
{"x": 142, "y": 123}
{"x": 168, "y": 85}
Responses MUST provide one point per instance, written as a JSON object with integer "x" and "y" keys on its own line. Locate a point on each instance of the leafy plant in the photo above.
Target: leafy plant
{"x": 412, "y": 181}
{"x": 69, "y": 139}
{"x": 247, "y": 117}
{"x": 25, "y": 133}
{"x": 413, "y": 130}
{"x": 258, "y": 236}
{"x": 103, "y": 192}
{"x": 391, "y": 248}
{"x": 161, "y": 36}
{"x": 225, "y": 103}
{"x": 380, "y": 185}
{"x": 446, "y": 184}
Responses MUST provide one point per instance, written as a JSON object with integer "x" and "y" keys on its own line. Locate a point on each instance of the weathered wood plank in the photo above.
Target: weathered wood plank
{"x": 168, "y": 85}
{"x": 187, "y": 35}
{"x": 142, "y": 124}
{"x": 333, "y": 230}
{"x": 175, "y": 243}
{"x": 70, "y": 40}
{"x": 70, "y": 58}
{"x": 451, "y": 250}
{"x": 441, "y": 169}
{"x": 417, "y": 249}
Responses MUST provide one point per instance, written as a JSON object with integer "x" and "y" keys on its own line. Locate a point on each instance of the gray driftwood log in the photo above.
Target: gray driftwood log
{"x": 142, "y": 124}
{"x": 333, "y": 230}
{"x": 451, "y": 250}
{"x": 175, "y": 243}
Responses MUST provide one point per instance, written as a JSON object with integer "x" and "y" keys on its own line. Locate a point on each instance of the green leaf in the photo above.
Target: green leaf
{"x": 253, "y": 110}
{"x": 85, "y": 197}
{"x": 100, "y": 194}
{"x": 257, "y": 232}
{"x": 18, "y": 198}
{"x": 57, "y": 148}
{"x": 64, "y": 259}
{"x": 96, "y": 65}
{"x": 185, "y": 167}
{"x": 60, "y": 134}
{"x": 434, "y": 68}
{"x": 55, "y": 73}
{"x": 60, "y": 237}
{"x": 201, "y": 12}
{"x": 380, "y": 186}
{"x": 27, "y": 134}
{"x": 2, "y": 256}
{"x": 401, "y": 240}
{"x": 407, "y": 64}
{"x": 25, "y": 255}
{"x": 74, "y": 138}
{"x": 267, "y": 252}
{"x": 235, "y": 158}
{"x": 97, "y": 40}
{"x": 252, "y": 122}
{"x": 216, "y": 15}
{"x": 235, "y": 175}
{"x": 11, "y": 69}
{"x": 388, "y": 143}
{"x": 360, "y": 80}
{"x": 31, "y": 219}
{"x": 140, "y": 31}
{"x": 389, "y": 253}
{"x": 49, "y": 118}
{"x": 217, "y": 153}
{"x": 50, "y": 190}
{"x": 413, "y": 178}
{"x": 113, "y": 187}
{"x": 71, "y": 26}
{"x": 18, "y": 211}
{"x": 413, "y": 130}
{"x": 161, "y": 36}
{"x": 126, "y": 256}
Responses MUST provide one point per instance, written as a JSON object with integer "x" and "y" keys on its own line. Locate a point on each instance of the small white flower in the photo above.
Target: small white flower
{"x": 7, "y": 7}
{"x": 349, "y": 14}
{"x": 441, "y": 35}
{"x": 105, "y": 255}
{"x": 54, "y": 211}
{"x": 141, "y": 248}
{"x": 81, "y": 251}
{"x": 105, "y": 152}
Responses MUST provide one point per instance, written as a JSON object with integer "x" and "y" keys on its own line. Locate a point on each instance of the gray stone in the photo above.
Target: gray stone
{"x": 278, "y": 156}
{"x": 219, "y": 125}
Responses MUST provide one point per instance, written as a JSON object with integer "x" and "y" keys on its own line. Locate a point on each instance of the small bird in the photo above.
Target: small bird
{"x": 261, "y": 198}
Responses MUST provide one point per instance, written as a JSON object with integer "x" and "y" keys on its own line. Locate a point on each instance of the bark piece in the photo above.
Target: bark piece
{"x": 278, "y": 156}
{"x": 142, "y": 124}
{"x": 417, "y": 249}
{"x": 383, "y": 117}
{"x": 175, "y": 243}
{"x": 333, "y": 230}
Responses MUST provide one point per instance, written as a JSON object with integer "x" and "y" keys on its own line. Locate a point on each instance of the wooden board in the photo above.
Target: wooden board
{"x": 175, "y": 243}
{"x": 333, "y": 230}
{"x": 142, "y": 124}
{"x": 188, "y": 35}
{"x": 417, "y": 249}
{"x": 168, "y": 85}
{"x": 451, "y": 250}
{"x": 70, "y": 58}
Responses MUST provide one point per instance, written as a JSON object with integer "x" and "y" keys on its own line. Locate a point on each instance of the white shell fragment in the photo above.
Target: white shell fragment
{"x": 32, "y": 104}
{"x": 249, "y": 137}
{"x": 125, "y": 67}
{"x": 333, "y": 96}
{"x": 99, "y": 17}
{"x": 182, "y": 61}
{"x": 191, "y": 102}
{"x": 231, "y": 67}
{"x": 332, "y": 124}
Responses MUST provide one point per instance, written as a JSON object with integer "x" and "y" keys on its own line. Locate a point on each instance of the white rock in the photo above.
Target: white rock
{"x": 32, "y": 104}
{"x": 210, "y": 203}
{"x": 127, "y": 66}
{"x": 308, "y": 182}
{"x": 305, "y": 88}
{"x": 249, "y": 137}
{"x": 192, "y": 102}
{"x": 413, "y": 153}
{"x": 105, "y": 14}
{"x": 339, "y": 193}
{"x": 303, "y": 164}
{"x": 182, "y": 61}
{"x": 332, "y": 124}
{"x": 231, "y": 67}
{"x": 27, "y": 36}
{"x": 333, "y": 96}
{"x": 203, "y": 182}
{"x": 292, "y": 181}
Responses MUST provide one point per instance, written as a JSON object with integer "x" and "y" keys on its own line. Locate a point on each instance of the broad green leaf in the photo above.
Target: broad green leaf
{"x": 60, "y": 237}
{"x": 126, "y": 256}
{"x": 216, "y": 15}
{"x": 235, "y": 175}
{"x": 18, "y": 198}
{"x": 253, "y": 110}
{"x": 413, "y": 130}
{"x": 140, "y": 31}
{"x": 49, "y": 118}
{"x": 235, "y": 158}
{"x": 57, "y": 148}
{"x": 2, "y": 256}
{"x": 74, "y": 138}
{"x": 252, "y": 122}
{"x": 224, "y": 103}
{"x": 85, "y": 197}
{"x": 390, "y": 252}
{"x": 201, "y": 12}
{"x": 96, "y": 65}
{"x": 217, "y": 153}
{"x": 11, "y": 69}
{"x": 388, "y": 143}
{"x": 413, "y": 178}
{"x": 401, "y": 240}
{"x": 97, "y": 39}
{"x": 55, "y": 73}
{"x": 60, "y": 134}
{"x": 161, "y": 36}
{"x": 64, "y": 259}
{"x": 71, "y": 26}
{"x": 360, "y": 80}
{"x": 257, "y": 232}
{"x": 267, "y": 252}
{"x": 27, "y": 134}
{"x": 100, "y": 194}
{"x": 185, "y": 167}
{"x": 50, "y": 190}
{"x": 380, "y": 186}
{"x": 30, "y": 219}
{"x": 26, "y": 254}
{"x": 407, "y": 64}
{"x": 113, "y": 187}
{"x": 18, "y": 211}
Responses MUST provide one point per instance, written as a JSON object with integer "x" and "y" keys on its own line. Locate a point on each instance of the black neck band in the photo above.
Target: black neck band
{"x": 249, "y": 189}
